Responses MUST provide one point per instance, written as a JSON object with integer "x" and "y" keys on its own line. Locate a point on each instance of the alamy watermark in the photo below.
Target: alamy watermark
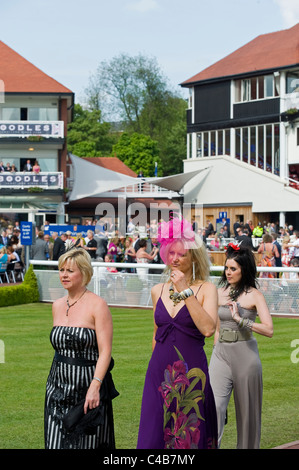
{"x": 139, "y": 214}
{"x": 295, "y": 353}
{"x": 2, "y": 352}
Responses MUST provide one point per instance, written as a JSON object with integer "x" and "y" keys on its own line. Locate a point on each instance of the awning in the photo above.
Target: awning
{"x": 24, "y": 207}
{"x": 91, "y": 180}
{"x": 174, "y": 182}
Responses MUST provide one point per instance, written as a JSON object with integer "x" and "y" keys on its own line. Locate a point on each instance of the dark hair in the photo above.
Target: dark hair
{"x": 245, "y": 259}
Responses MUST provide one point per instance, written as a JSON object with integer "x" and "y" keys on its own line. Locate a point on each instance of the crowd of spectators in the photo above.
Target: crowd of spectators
{"x": 105, "y": 243}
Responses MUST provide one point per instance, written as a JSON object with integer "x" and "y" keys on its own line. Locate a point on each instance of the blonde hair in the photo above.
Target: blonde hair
{"x": 82, "y": 260}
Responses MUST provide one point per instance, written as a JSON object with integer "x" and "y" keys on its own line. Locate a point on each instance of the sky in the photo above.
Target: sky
{"x": 68, "y": 39}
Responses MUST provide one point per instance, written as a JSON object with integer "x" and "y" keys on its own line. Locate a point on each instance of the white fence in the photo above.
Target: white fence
{"x": 127, "y": 289}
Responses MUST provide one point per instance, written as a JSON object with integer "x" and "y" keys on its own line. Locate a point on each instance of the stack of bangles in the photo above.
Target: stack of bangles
{"x": 176, "y": 297}
{"x": 245, "y": 323}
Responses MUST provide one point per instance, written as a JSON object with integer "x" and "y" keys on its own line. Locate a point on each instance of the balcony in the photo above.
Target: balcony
{"x": 31, "y": 181}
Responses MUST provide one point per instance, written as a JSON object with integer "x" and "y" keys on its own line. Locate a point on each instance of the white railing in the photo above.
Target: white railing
{"x": 133, "y": 289}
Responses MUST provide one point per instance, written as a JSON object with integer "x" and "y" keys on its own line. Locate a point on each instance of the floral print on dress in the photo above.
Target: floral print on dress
{"x": 182, "y": 428}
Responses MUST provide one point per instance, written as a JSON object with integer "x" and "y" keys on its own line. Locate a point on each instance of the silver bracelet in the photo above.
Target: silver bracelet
{"x": 186, "y": 293}
{"x": 97, "y": 378}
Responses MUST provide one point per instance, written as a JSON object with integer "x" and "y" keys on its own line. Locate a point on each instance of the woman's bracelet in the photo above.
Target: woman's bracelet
{"x": 186, "y": 293}
{"x": 245, "y": 323}
{"x": 97, "y": 378}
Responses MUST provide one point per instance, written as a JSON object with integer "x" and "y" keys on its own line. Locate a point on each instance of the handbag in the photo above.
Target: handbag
{"x": 75, "y": 420}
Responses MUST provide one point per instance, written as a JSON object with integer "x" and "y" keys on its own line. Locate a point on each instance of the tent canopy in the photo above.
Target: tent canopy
{"x": 92, "y": 180}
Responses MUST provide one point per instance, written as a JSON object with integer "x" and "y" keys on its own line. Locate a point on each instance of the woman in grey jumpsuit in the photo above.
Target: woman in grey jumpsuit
{"x": 235, "y": 363}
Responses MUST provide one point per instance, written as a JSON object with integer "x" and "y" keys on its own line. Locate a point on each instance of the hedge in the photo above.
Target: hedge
{"x": 24, "y": 293}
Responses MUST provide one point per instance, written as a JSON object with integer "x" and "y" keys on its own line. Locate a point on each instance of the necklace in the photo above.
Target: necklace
{"x": 71, "y": 305}
{"x": 233, "y": 294}
{"x": 176, "y": 297}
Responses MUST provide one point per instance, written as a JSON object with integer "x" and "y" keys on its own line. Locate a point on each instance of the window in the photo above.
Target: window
{"x": 269, "y": 81}
{"x": 257, "y": 88}
{"x": 11, "y": 114}
{"x": 42, "y": 114}
{"x": 292, "y": 82}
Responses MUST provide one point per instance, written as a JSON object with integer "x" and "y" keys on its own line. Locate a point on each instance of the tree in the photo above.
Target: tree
{"x": 125, "y": 85}
{"x": 88, "y": 136}
{"x": 135, "y": 90}
{"x": 139, "y": 152}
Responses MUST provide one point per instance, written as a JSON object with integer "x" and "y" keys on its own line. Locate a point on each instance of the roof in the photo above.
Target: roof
{"x": 112, "y": 163}
{"x": 267, "y": 51}
{"x": 21, "y": 76}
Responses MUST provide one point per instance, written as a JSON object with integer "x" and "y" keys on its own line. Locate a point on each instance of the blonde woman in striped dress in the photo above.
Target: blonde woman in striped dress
{"x": 80, "y": 379}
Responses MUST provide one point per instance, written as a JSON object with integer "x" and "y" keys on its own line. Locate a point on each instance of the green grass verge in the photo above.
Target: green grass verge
{"x": 25, "y": 330}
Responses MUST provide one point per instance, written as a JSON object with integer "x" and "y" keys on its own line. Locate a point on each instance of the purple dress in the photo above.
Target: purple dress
{"x": 178, "y": 409}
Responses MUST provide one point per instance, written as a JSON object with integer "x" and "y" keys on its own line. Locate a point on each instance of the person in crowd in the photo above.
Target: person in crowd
{"x": 244, "y": 238}
{"x": 269, "y": 252}
{"x": 258, "y": 231}
{"x": 59, "y": 245}
{"x": 102, "y": 244}
{"x": 235, "y": 363}
{"x": 131, "y": 226}
{"x": 209, "y": 228}
{"x": 91, "y": 245}
{"x": 8, "y": 167}
{"x": 80, "y": 377}
{"x": 214, "y": 242}
{"x": 27, "y": 166}
{"x": 129, "y": 254}
{"x": 112, "y": 248}
{"x": 40, "y": 249}
{"x": 143, "y": 257}
{"x": 36, "y": 168}
{"x": 2, "y": 167}
{"x": 236, "y": 225}
{"x": 295, "y": 244}
{"x": 3, "y": 259}
{"x": 50, "y": 246}
{"x": 13, "y": 168}
{"x": 285, "y": 252}
{"x": 4, "y": 238}
{"x": 12, "y": 255}
{"x": 109, "y": 259}
{"x": 185, "y": 312}
{"x": 278, "y": 262}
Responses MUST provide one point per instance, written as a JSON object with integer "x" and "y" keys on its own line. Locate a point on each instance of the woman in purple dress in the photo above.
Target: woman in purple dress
{"x": 178, "y": 409}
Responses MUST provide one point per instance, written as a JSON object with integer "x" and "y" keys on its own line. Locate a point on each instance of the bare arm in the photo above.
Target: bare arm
{"x": 155, "y": 296}
{"x": 104, "y": 333}
{"x": 265, "y": 327}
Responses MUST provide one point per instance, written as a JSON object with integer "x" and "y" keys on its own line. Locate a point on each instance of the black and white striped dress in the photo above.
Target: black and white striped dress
{"x": 67, "y": 384}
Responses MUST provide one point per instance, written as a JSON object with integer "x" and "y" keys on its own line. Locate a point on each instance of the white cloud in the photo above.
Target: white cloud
{"x": 143, "y": 5}
{"x": 290, "y": 11}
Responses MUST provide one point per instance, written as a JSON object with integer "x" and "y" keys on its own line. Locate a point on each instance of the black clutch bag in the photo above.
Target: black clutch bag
{"x": 76, "y": 421}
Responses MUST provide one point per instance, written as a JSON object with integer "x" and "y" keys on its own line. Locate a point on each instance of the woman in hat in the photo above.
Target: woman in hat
{"x": 178, "y": 409}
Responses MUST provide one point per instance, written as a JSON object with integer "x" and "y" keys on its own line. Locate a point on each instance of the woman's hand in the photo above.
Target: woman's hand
{"x": 234, "y": 311}
{"x": 179, "y": 281}
{"x": 92, "y": 399}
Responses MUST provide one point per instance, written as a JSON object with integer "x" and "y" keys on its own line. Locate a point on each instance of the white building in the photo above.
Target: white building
{"x": 243, "y": 128}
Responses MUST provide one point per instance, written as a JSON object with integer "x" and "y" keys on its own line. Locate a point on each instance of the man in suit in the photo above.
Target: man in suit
{"x": 40, "y": 248}
{"x": 28, "y": 166}
{"x": 243, "y": 236}
{"x": 59, "y": 245}
{"x": 50, "y": 246}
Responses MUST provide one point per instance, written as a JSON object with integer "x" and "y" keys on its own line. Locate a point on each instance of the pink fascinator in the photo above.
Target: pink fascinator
{"x": 174, "y": 230}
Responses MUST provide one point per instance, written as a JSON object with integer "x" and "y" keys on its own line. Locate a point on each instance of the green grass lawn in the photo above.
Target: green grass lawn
{"x": 28, "y": 355}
